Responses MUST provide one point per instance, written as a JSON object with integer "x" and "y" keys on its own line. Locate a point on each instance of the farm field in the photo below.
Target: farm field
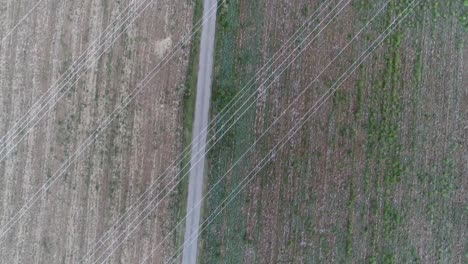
{"x": 378, "y": 174}
{"x": 64, "y": 224}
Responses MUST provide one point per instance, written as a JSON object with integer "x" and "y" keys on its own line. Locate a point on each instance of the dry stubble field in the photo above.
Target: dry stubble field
{"x": 80, "y": 206}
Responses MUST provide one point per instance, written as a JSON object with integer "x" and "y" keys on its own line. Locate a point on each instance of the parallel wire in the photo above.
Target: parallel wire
{"x": 200, "y": 158}
{"x": 106, "y": 236}
{"x": 295, "y": 129}
{"x": 276, "y": 120}
{"x": 78, "y": 63}
{"x": 20, "y": 213}
{"x": 105, "y": 46}
{"x": 20, "y": 22}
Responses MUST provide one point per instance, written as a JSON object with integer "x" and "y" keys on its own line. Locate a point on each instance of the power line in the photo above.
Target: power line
{"x": 70, "y": 80}
{"x": 103, "y": 124}
{"x": 154, "y": 199}
{"x": 298, "y": 125}
{"x": 142, "y": 198}
{"x": 20, "y": 21}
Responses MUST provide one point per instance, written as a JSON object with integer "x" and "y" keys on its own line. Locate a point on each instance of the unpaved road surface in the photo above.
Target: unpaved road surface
{"x": 202, "y": 108}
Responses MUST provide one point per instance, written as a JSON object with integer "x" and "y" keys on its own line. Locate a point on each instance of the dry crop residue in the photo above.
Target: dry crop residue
{"x": 127, "y": 157}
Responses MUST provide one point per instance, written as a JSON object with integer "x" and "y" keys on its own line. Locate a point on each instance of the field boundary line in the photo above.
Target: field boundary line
{"x": 154, "y": 199}
{"x": 157, "y": 181}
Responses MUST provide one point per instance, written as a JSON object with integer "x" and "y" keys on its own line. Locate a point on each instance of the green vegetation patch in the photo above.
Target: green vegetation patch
{"x": 234, "y": 66}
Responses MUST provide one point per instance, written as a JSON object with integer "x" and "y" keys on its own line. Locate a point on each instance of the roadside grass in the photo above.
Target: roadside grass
{"x": 231, "y": 73}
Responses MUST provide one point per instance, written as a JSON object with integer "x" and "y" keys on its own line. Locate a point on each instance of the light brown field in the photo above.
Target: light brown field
{"x": 123, "y": 161}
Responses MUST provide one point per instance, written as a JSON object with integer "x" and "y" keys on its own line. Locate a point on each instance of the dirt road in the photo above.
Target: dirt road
{"x": 202, "y": 107}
